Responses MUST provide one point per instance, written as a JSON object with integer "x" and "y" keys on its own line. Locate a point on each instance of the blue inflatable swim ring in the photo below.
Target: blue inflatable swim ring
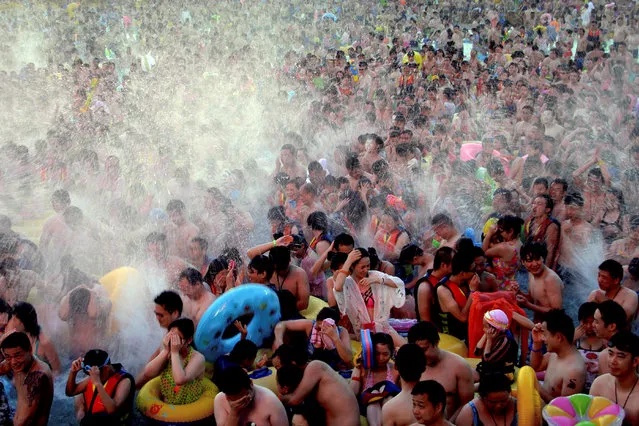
{"x": 256, "y": 299}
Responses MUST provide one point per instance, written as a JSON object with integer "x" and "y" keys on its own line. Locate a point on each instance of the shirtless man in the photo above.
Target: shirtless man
{"x": 181, "y": 231}
{"x": 323, "y": 384}
{"x": 198, "y": 297}
{"x": 429, "y": 399}
{"x": 557, "y": 192}
{"x": 241, "y": 403}
{"x": 308, "y": 200}
{"x": 545, "y": 288}
{"x": 410, "y": 362}
{"x": 609, "y": 319}
{"x": 158, "y": 258}
{"x": 564, "y": 366}
{"x": 620, "y": 385}
{"x": 32, "y": 379}
{"x": 610, "y": 288}
{"x": 54, "y": 226}
{"x": 625, "y": 249}
{"x": 445, "y": 231}
{"x": 541, "y": 228}
{"x": 197, "y": 254}
{"x": 413, "y": 255}
{"x": 445, "y": 367}
{"x": 287, "y": 163}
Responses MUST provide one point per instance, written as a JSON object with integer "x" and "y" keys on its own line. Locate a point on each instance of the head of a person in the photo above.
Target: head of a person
{"x": 558, "y": 330}
{"x": 344, "y": 243}
{"x": 276, "y": 216}
{"x": 410, "y": 362}
{"x": 190, "y": 283}
{"x": 236, "y": 384}
{"x": 586, "y": 317}
{"x": 60, "y": 200}
{"x": 533, "y": 256}
{"x": 542, "y": 206}
{"x": 595, "y": 180}
{"x": 463, "y": 266}
{"x": 16, "y": 348}
{"x": 176, "y": 211}
{"x": 501, "y": 200}
{"x": 73, "y": 217}
{"x": 494, "y": 391}
{"x": 288, "y": 378}
{"x": 496, "y": 320}
{"x": 280, "y": 258}
{"x": 540, "y": 186}
{"x": 168, "y": 307}
{"x": 443, "y": 260}
{"x": 443, "y": 226}
{"x": 100, "y": 359}
{"x": 634, "y": 228}
{"x": 157, "y": 246}
{"x": 288, "y": 155}
{"x": 330, "y": 314}
{"x": 610, "y": 275}
{"x": 308, "y": 193}
{"x": 214, "y": 276}
{"x": 509, "y": 227}
{"x": 383, "y": 348}
{"x": 24, "y": 318}
{"x": 574, "y": 206}
{"x": 5, "y": 316}
{"x": 429, "y": 402}
{"x": 292, "y": 189}
{"x": 184, "y": 329}
{"x": 410, "y": 254}
{"x": 260, "y": 269}
{"x": 558, "y": 189}
{"x": 425, "y": 335}
{"x": 623, "y": 354}
{"x": 361, "y": 267}
{"x": 244, "y": 353}
{"x": 318, "y": 221}
{"x": 316, "y": 173}
{"x": 609, "y": 319}
{"x": 197, "y": 249}
{"x": 290, "y": 354}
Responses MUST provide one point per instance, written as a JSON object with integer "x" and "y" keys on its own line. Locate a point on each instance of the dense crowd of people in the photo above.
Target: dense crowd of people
{"x": 472, "y": 167}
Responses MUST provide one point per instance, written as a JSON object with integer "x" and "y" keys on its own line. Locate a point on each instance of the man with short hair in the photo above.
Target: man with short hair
{"x": 410, "y": 362}
{"x": 316, "y": 174}
{"x": 609, "y": 319}
{"x": 32, "y": 379}
{"x": 180, "y": 232}
{"x": 413, "y": 255}
{"x": 197, "y": 254}
{"x": 425, "y": 286}
{"x": 447, "y": 368}
{"x": 620, "y": 385}
{"x": 54, "y": 229}
{"x": 609, "y": 278}
{"x": 107, "y": 394}
{"x": 429, "y": 404}
{"x": 198, "y": 296}
{"x": 158, "y": 258}
{"x": 287, "y": 162}
{"x": 564, "y": 366}
{"x": 445, "y": 231}
{"x": 541, "y": 228}
{"x": 558, "y": 189}
{"x": 240, "y": 402}
{"x": 320, "y": 382}
{"x": 545, "y": 288}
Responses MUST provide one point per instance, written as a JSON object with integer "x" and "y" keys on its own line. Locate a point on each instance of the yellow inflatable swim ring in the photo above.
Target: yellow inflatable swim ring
{"x": 315, "y": 304}
{"x": 528, "y": 399}
{"x": 150, "y": 404}
{"x": 114, "y": 280}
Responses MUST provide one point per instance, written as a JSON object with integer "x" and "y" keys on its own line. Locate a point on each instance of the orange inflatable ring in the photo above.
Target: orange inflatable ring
{"x": 528, "y": 399}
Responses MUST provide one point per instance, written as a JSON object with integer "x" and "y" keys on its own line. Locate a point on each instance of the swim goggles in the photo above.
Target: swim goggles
{"x": 86, "y": 368}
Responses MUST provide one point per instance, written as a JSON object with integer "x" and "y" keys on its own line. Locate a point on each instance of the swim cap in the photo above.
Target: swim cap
{"x": 497, "y": 318}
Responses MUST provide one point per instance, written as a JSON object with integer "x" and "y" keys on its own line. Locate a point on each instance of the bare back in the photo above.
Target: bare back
{"x": 451, "y": 371}
{"x": 35, "y": 394}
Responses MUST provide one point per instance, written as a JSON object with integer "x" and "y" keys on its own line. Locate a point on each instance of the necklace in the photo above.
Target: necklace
{"x": 616, "y": 294}
{"x": 628, "y": 397}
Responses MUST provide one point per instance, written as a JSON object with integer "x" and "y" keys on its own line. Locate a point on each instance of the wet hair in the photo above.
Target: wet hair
{"x": 352, "y": 162}
{"x": 344, "y": 239}
{"x": 562, "y": 182}
{"x": 383, "y": 339}
{"x": 290, "y": 376}
{"x": 441, "y": 219}
{"x": 511, "y": 223}
{"x": 494, "y": 383}
{"x": 28, "y": 316}
{"x": 327, "y": 312}
{"x": 634, "y": 222}
{"x": 574, "y": 199}
{"x": 423, "y": 330}
{"x": 550, "y": 204}
{"x": 557, "y": 321}
{"x": 72, "y": 215}
{"x": 175, "y": 206}
{"x": 495, "y": 168}
{"x": 289, "y": 147}
{"x": 262, "y": 264}
{"x": 170, "y": 301}
{"x": 315, "y": 166}
{"x": 5, "y": 308}
{"x": 434, "y": 390}
{"x": 276, "y": 214}
{"x": 244, "y": 350}
{"x": 625, "y": 341}
{"x": 185, "y": 326}
{"x": 587, "y": 310}
{"x": 192, "y": 275}
{"x": 365, "y": 254}
{"x": 79, "y": 299}
{"x": 533, "y": 251}
{"x": 409, "y": 252}
{"x": 61, "y": 196}
{"x": 443, "y": 255}
{"x": 596, "y": 172}
{"x": 155, "y": 237}
{"x": 633, "y": 267}
{"x": 612, "y": 313}
{"x": 410, "y": 362}
{"x": 204, "y": 245}
{"x": 233, "y": 380}
{"x": 309, "y": 188}
{"x": 318, "y": 221}
{"x": 541, "y": 181}
{"x": 291, "y": 355}
{"x": 464, "y": 246}
{"x": 462, "y": 262}
{"x": 16, "y": 340}
{"x": 614, "y": 268}
{"x": 281, "y": 257}
{"x": 508, "y": 196}
{"x": 337, "y": 260}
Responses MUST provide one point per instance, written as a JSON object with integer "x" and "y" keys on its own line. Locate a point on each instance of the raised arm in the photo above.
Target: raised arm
{"x": 311, "y": 378}
{"x": 263, "y": 248}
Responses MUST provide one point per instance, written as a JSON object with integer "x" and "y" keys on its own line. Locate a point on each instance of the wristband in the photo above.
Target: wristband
{"x": 600, "y": 163}
{"x": 537, "y": 350}
{"x": 274, "y": 243}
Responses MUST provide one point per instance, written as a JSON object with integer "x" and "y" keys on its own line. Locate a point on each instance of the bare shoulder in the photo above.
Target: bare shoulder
{"x": 265, "y": 393}
{"x": 458, "y": 363}
{"x": 600, "y": 384}
{"x": 593, "y": 295}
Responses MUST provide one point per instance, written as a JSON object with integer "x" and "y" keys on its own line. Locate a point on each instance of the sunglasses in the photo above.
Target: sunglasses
{"x": 87, "y": 368}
